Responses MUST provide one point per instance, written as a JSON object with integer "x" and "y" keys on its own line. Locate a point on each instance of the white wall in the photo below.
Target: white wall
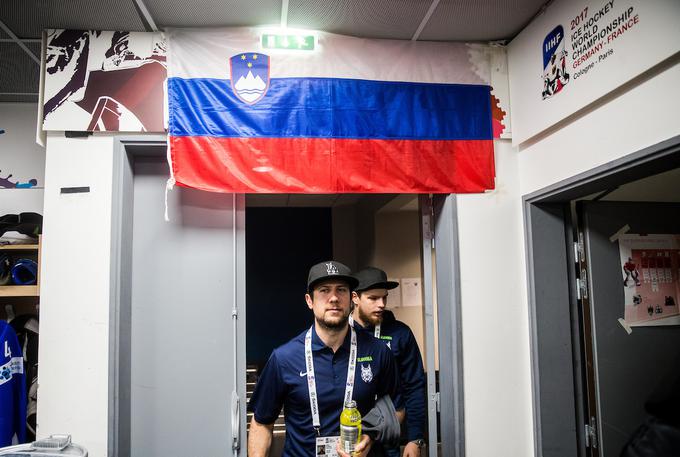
{"x": 21, "y": 156}
{"x": 494, "y": 293}
{"x": 74, "y": 312}
{"x": 498, "y": 415}
{"x": 397, "y": 251}
{"x": 642, "y": 116}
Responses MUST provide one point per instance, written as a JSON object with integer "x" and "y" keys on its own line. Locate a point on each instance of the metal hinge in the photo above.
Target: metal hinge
{"x": 591, "y": 435}
{"x": 580, "y": 248}
{"x": 575, "y": 252}
{"x": 437, "y": 401}
{"x": 582, "y": 284}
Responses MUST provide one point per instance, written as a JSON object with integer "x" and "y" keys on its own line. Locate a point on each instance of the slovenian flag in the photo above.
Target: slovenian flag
{"x": 354, "y": 115}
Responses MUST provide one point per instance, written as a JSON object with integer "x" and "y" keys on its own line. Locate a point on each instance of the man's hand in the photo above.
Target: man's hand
{"x": 361, "y": 449}
{"x": 412, "y": 450}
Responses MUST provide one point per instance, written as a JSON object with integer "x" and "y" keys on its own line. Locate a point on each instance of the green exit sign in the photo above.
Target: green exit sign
{"x": 286, "y": 41}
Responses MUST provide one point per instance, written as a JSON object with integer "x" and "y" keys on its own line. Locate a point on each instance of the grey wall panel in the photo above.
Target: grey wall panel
{"x": 451, "y": 422}
{"x": 182, "y": 344}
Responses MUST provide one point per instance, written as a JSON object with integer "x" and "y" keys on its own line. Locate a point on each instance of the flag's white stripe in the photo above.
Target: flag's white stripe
{"x": 205, "y": 53}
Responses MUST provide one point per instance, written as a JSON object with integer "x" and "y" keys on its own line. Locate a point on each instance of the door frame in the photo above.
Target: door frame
{"x": 125, "y": 149}
{"x": 444, "y": 220}
{"x": 548, "y": 219}
{"x": 449, "y": 325}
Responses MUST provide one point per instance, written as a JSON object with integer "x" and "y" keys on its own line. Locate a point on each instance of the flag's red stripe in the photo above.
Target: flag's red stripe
{"x": 320, "y": 165}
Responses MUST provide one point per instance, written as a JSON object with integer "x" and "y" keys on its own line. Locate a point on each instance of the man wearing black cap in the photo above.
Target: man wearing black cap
{"x": 370, "y": 316}
{"x": 313, "y": 374}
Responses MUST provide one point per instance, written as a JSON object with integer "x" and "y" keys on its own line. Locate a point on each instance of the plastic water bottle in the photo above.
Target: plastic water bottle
{"x": 350, "y": 427}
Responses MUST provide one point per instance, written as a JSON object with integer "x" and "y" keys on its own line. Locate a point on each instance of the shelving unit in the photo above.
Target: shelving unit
{"x": 20, "y": 291}
{"x": 21, "y": 296}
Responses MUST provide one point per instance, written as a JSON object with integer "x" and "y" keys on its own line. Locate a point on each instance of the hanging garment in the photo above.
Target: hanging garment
{"x": 26, "y": 328}
{"x": 12, "y": 387}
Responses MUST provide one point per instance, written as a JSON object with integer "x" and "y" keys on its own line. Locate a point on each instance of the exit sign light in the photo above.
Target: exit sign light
{"x": 289, "y": 42}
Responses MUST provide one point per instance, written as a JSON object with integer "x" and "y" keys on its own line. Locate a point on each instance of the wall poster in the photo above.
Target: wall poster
{"x": 577, "y": 51}
{"x": 650, "y": 272}
{"x": 104, "y": 81}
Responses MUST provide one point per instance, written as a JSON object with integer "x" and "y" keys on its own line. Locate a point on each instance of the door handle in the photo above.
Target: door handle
{"x": 235, "y": 421}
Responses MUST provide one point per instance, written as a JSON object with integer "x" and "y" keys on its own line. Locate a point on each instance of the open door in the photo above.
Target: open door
{"x": 627, "y": 367}
{"x": 442, "y": 326}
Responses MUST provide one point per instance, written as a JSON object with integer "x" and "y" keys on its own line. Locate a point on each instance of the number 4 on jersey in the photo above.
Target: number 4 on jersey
{"x": 8, "y": 351}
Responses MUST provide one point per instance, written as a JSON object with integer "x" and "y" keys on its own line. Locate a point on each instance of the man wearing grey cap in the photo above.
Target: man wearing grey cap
{"x": 371, "y": 317}
{"x": 315, "y": 373}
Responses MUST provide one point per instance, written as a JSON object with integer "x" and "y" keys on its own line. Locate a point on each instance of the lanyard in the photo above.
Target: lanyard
{"x": 376, "y": 329}
{"x": 311, "y": 381}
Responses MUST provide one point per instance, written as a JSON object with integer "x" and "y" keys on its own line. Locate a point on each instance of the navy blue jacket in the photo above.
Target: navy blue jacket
{"x": 283, "y": 382}
{"x": 400, "y": 340}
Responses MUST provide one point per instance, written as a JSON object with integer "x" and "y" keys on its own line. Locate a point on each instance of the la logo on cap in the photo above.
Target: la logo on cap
{"x": 331, "y": 269}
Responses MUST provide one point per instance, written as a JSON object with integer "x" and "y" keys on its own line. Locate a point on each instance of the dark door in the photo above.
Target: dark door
{"x": 628, "y": 368}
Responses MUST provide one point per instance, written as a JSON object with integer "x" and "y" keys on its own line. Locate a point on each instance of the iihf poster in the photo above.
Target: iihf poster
{"x": 650, "y": 275}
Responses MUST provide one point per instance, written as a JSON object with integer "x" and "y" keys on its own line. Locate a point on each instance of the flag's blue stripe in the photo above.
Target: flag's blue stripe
{"x": 332, "y": 108}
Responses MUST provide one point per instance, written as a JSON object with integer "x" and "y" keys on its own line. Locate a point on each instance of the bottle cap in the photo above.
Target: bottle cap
{"x": 350, "y": 404}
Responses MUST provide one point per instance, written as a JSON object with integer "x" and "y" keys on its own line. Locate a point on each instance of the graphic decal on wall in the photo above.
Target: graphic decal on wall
{"x": 8, "y": 183}
{"x": 497, "y": 116}
{"x": 555, "y": 75}
{"x": 104, "y": 81}
{"x": 607, "y": 42}
{"x": 481, "y": 57}
{"x": 650, "y": 270}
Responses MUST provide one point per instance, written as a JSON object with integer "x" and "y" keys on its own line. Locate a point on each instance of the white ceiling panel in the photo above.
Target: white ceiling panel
{"x": 28, "y": 18}
{"x": 214, "y": 13}
{"x": 452, "y": 20}
{"x": 397, "y": 19}
{"x": 468, "y": 20}
{"x": 19, "y": 74}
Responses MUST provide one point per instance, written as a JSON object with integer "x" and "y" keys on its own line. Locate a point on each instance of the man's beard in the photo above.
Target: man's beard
{"x": 338, "y": 324}
{"x": 369, "y": 319}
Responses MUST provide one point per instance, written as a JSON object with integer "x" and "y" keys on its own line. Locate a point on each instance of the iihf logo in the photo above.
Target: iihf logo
{"x": 249, "y": 75}
{"x": 331, "y": 269}
{"x": 555, "y": 75}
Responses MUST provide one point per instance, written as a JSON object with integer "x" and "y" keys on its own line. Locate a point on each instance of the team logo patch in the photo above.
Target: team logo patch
{"x": 331, "y": 269}
{"x": 14, "y": 366}
{"x": 366, "y": 374}
{"x": 249, "y": 75}
{"x": 555, "y": 75}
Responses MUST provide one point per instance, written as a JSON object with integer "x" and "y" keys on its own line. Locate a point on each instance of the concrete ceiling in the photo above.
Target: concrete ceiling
{"x": 22, "y": 21}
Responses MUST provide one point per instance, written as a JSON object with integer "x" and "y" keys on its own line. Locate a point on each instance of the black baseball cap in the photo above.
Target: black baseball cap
{"x": 373, "y": 278}
{"x": 330, "y": 269}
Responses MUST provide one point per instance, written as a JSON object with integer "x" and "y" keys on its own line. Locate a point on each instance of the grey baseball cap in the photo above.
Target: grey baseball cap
{"x": 330, "y": 269}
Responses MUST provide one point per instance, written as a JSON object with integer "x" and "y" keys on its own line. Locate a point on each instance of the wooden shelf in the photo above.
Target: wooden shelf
{"x": 19, "y": 247}
{"x": 19, "y": 291}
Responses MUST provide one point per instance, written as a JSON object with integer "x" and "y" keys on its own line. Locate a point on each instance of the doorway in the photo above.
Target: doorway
{"x": 293, "y": 232}
{"x": 188, "y": 277}
{"x": 593, "y": 372}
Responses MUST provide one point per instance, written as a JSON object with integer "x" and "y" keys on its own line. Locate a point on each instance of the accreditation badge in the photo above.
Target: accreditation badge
{"x": 326, "y": 446}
